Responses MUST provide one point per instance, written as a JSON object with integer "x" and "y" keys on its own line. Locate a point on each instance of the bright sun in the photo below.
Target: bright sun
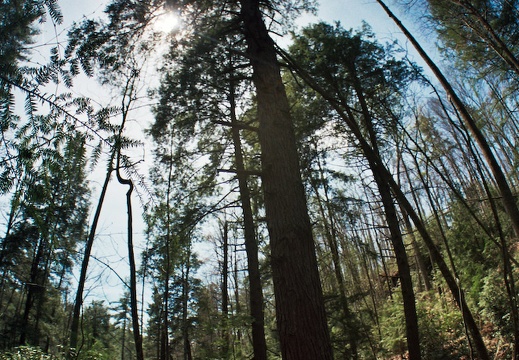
{"x": 167, "y": 22}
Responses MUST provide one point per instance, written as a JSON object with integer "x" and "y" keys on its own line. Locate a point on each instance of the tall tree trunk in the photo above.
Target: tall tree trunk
{"x": 440, "y": 262}
{"x": 131, "y": 258}
{"x": 259, "y": 343}
{"x": 123, "y": 340}
{"x": 300, "y": 311}
{"x": 225, "y": 293}
{"x": 331, "y": 237}
{"x": 404, "y": 271}
{"x": 185, "y": 301}
{"x": 76, "y": 315}
{"x": 422, "y": 268}
{"x": 390, "y": 212}
{"x": 34, "y": 292}
{"x": 164, "y": 350}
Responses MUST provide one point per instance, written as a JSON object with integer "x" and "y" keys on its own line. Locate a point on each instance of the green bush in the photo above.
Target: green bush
{"x": 495, "y": 305}
{"x": 440, "y": 325}
{"x": 28, "y": 353}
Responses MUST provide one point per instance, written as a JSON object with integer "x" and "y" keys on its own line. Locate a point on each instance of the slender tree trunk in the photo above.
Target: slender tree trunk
{"x": 331, "y": 238}
{"x": 422, "y": 268}
{"x": 259, "y": 343}
{"x": 225, "y": 293}
{"x": 300, "y": 311}
{"x": 508, "y": 274}
{"x": 237, "y": 304}
{"x": 131, "y": 257}
{"x": 123, "y": 340}
{"x": 368, "y": 269}
{"x": 443, "y": 173}
{"x": 76, "y": 315}
{"x": 404, "y": 271}
{"x": 35, "y": 289}
{"x": 164, "y": 351}
{"x": 397, "y": 241}
{"x": 447, "y": 275}
{"x": 185, "y": 300}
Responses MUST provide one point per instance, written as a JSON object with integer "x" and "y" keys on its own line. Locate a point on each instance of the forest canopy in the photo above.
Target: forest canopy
{"x": 282, "y": 189}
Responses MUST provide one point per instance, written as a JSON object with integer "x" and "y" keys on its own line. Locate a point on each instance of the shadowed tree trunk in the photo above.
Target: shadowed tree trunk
{"x": 226, "y": 337}
{"x": 330, "y": 232}
{"x": 131, "y": 258}
{"x": 251, "y": 245}
{"x": 74, "y": 329}
{"x": 300, "y": 312}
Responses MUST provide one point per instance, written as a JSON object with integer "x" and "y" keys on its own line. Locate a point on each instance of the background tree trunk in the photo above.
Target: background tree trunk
{"x": 251, "y": 245}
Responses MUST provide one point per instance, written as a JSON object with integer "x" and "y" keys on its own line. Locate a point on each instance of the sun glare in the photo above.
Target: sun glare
{"x": 167, "y": 22}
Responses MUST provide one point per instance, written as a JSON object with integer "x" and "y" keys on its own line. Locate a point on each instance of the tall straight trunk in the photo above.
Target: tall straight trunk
{"x": 397, "y": 241}
{"x": 436, "y": 257}
{"x": 422, "y": 268}
{"x": 259, "y": 343}
{"x": 508, "y": 274}
{"x": 76, "y": 315}
{"x": 123, "y": 339}
{"x": 225, "y": 293}
{"x": 331, "y": 238}
{"x": 404, "y": 271}
{"x": 185, "y": 300}
{"x": 237, "y": 304}
{"x": 35, "y": 290}
{"x": 300, "y": 311}
{"x": 164, "y": 343}
{"x": 508, "y": 199}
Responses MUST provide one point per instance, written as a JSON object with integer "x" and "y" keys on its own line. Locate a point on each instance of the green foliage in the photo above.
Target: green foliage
{"x": 440, "y": 325}
{"x": 495, "y": 305}
{"x": 358, "y": 75}
{"x": 29, "y": 353}
{"x": 478, "y": 33}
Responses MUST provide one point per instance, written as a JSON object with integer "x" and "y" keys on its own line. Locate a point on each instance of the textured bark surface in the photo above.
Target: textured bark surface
{"x": 259, "y": 343}
{"x": 300, "y": 312}
{"x": 397, "y": 241}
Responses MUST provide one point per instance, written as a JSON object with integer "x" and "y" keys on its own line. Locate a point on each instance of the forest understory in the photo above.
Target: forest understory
{"x": 280, "y": 188}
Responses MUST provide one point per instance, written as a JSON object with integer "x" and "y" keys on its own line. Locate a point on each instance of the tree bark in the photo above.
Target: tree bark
{"x": 331, "y": 238}
{"x": 300, "y": 312}
{"x": 226, "y": 338}
{"x": 35, "y": 289}
{"x": 185, "y": 304}
{"x": 74, "y": 329}
{"x": 164, "y": 343}
{"x": 390, "y": 212}
{"x": 131, "y": 257}
{"x": 259, "y": 343}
